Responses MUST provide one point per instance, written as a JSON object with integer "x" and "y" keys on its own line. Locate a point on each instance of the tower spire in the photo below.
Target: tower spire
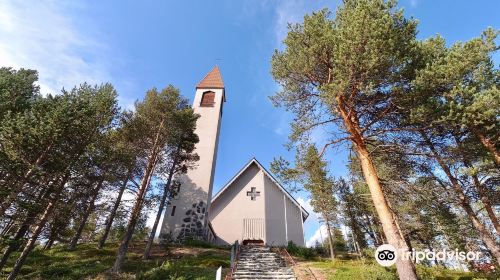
{"x": 212, "y": 80}
{"x": 187, "y": 214}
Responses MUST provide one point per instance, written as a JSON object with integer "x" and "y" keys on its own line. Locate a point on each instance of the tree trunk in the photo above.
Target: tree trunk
{"x": 372, "y": 232}
{"x": 15, "y": 243}
{"x": 49, "y": 243}
{"x": 353, "y": 223}
{"x": 463, "y": 200}
{"x": 405, "y": 237}
{"x": 486, "y": 202}
{"x": 18, "y": 187}
{"x": 136, "y": 211}
{"x": 112, "y": 215}
{"x": 330, "y": 239}
{"x": 406, "y": 268}
{"x": 8, "y": 227}
{"x": 134, "y": 217}
{"x": 147, "y": 251}
{"x": 41, "y": 224}
{"x": 487, "y": 143}
{"x": 481, "y": 190}
{"x": 355, "y": 243}
{"x": 88, "y": 211}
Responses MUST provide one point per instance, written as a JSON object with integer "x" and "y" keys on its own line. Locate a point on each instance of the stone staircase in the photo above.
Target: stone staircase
{"x": 259, "y": 262}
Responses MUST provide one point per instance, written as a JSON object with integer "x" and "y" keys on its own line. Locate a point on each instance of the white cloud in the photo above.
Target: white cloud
{"x": 317, "y": 231}
{"x": 42, "y": 35}
{"x": 311, "y": 225}
{"x": 319, "y": 236}
{"x": 306, "y": 204}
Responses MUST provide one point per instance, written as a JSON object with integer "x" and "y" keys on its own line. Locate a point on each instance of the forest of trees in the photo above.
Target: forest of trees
{"x": 64, "y": 157}
{"x": 419, "y": 117}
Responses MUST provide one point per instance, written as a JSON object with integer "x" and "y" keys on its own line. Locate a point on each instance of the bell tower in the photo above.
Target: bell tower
{"x": 187, "y": 214}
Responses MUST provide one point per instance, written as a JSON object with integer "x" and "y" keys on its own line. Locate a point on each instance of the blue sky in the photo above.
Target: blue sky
{"x": 137, "y": 45}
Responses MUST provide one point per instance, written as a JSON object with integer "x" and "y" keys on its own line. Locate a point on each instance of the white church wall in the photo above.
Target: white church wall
{"x": 233, "y": 206}
{"x": 275, "y": 214}
{"x": 277, "y": 232}
{"x": 295, "y": 232}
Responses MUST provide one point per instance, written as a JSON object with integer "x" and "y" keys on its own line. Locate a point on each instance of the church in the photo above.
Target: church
{"x": 253, "y": 207}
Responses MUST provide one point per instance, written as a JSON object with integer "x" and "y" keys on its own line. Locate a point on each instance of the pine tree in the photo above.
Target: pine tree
{"x": 322, "y": 189}
{"x": 150, "y": 127}
{"x": 311, "y": 174}
{"x": 440, "y": 113}
{"x": 84, "y": 113}
{"x": 346, "y": 71}
{"x": 178, "y": 158}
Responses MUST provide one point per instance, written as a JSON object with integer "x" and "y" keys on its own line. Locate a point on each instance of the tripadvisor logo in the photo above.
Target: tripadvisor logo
{"x": 386, "y": 255}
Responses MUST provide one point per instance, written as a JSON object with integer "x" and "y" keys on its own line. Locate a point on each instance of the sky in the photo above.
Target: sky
{"x": 137, "y": 45}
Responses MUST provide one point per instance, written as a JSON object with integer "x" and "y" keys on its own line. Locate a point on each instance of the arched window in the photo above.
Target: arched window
{"x": 208, "y": 99}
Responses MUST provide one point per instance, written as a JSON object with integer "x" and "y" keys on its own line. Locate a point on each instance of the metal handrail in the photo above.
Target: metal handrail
{"x": 234, "y": 261}
{"x": 287, "y": 256}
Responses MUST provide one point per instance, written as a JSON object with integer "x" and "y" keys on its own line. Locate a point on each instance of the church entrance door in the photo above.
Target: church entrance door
{"x": 253, "y": 231}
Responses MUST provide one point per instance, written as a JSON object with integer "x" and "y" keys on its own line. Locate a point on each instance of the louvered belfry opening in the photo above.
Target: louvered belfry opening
{"x": 208, "y": 99}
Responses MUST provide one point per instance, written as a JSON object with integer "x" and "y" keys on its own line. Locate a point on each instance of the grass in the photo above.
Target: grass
{"x": 349, "y": 269}
{"x": 198, "y": 262}
{"x": 88, "y": 262}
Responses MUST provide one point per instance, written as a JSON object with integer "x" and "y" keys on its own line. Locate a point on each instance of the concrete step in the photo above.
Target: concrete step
{"x": 262, "y": 271}
{"x": 263, "y": 278}
{"x": 255, "y": 262}
{"x": 261, "y": 267}
{"x": 255, "y": 275}
{"x": 269, "y": 263}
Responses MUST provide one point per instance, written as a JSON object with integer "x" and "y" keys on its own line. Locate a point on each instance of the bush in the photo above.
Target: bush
{"x": 167, "y": 270}
{"x": 302, "y": 252}
{"x": 198, "y": 243}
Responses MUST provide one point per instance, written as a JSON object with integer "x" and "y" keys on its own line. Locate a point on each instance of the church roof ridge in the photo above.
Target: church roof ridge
{"x": 212, "y": 80}
{"x": 254, "y": 160}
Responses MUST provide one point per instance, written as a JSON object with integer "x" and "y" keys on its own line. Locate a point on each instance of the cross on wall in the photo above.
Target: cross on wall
{"x": 253, "y": 194}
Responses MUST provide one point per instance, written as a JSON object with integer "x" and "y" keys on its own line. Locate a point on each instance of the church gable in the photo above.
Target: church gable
{"x": 252, "y": 164}
{"x": 246, "y": 188}
{"x": 238, "y": 212}
{"x": 254, "y": 207}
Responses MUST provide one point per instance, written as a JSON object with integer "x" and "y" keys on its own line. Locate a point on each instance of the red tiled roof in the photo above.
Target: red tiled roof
{"x": 212, "y": 80}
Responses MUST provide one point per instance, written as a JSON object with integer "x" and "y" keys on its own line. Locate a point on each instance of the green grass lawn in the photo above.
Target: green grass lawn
{"x": 197, "y": 261}
{"x": 343, "y": 269}
{"x": 88, "y": 262}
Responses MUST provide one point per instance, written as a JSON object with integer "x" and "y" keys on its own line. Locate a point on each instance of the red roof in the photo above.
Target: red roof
{"x": 212, "y": 80}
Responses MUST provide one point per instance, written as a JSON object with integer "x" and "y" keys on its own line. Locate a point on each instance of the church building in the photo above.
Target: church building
{"x": 252, "y": 207}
